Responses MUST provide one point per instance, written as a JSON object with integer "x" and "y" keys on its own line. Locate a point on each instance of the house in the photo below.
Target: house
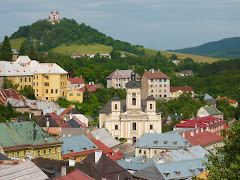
{"x": 20, "y": 139}
{"x": 107, "y": 167}
{"x": 151, "y": 144}
{"x": 209, "y": 111}
{"x": 231, "y": 101}
{"x": 134, "y": 164}
{"x": 77, "y": 147}
{"x": 156, "y": 84}
{"x": 20, "y": 170}
{"x": 119, "y": 78}
{"x": 173, "y": 170}
{"x": 49, "y": 80}
{"x": 75, "y": 96}
{"x": 106, "y": 138}
{"x": 75, "y": 175}
{"x": 209, "y": 123}
{"x": 108, "y": 151}
{"x": 75, "y": 83}
{"x": 175, "y": 92}
{"x": 105, "y": 56}
{"x": 133, "y": 117}
{"x": 18, "y": 74}
{"x": 190, "y": 152}
{"x": 204, "y": 138}
{"x": 91, "y": 87}
{"x": 77, "y": 55}
{"x": 187, "y": 73}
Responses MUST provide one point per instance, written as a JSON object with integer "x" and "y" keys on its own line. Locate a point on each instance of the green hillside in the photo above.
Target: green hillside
{"x": 16, "y": 43}
{"x": 225, "y": 49}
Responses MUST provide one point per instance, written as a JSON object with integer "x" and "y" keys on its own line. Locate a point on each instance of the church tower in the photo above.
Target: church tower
{"x": 133, "y": 100}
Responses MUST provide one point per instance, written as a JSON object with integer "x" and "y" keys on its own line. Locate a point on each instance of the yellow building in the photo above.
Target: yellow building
{"x": 75, "y": 95}
{"x": 27, "y": 139}
{"x": 175, "y": 92}
{"x": 16, "y": 73}
{"x": 49, "y": 80}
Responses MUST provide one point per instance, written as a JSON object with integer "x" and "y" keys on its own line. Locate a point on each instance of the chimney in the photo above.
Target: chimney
{"x": 98, "y": 155}
{"x": 183, "y": 134}
{"x": 144, "y": 158}
{"x": 192, "y": 133}
{"x": 207, "y": 129}
{"x": 152, "y": 70}
{"x": 202, "y": 129}
{"x": 195, "y": 125}
{"x": 63, "y": 170}
{"x": 71, "y": 115}
{"x": 47, "y": 122}
{"x": 197, "y": 131}
{"x": 30, "y": 116}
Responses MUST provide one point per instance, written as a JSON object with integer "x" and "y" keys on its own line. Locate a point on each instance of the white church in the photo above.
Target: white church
{"x": 54, "y": 18}
{"x": 133, "y": 117}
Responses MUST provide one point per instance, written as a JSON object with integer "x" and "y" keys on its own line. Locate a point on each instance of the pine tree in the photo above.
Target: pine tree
{"x": 22, "y": 50}
{"x": 32, "y": 53}
{"x": 6, "y": 52}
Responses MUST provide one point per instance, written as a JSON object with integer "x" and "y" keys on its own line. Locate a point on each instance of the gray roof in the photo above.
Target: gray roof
{"x": 149, "y": 173}
{"x": 180, "y": 130}
{"x": 193, "y": 152}
{"x": 115, "y": 98}
{"x": 207, "y": 96}
{"x": 78, "y": 143}
{"x": 106, "y": 138}
{"x": 106, "y": 109}
{"x": 164, "y": 140}
{"x": 133, "y": 85}
{"x": 73, "y": 123}
{"x": 150, "y": 98}
{"x": 135, "y": 163}
{"x": 174, "y": 170}
{"x": 3, "y": 157}
{"x": 211, "y": 101}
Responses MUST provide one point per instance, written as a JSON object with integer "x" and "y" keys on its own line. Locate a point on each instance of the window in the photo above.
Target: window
{"x": 151, "y": 106}
{"x": 17, "y": 154}
{"x": 140, "y": 151}
{"x": 151, "y": 126}
{"x": 155, "y": 142}
{"x": 165, "y": 90}
{"x": 134, "y": 101}
{"x": 175, "y": 142}
{"x": 165, "y": 80}
{"x": 71, "y": 94}
{"x": 115, "y": 106}
{"x": 24, "y": 153}
{"x": 51, "y": 90}
{"x": 21, "y": 87}
{"x": 50, "y": 150}
{"x": 46, "y": 77}
{"x": 160, "y": 85}
{"x": 38, "y": 152}
{"x": 155, "y": 151}
{"x": 21, "y": 79}
{"x": 37, "y": 77}
{"x": 37, "y": 83}
{"x": 160, "y": 95}
{"x": 160, "y": 80}
{"x": 55, "y": 149}
{"x": 151, "y": 80}
{"x": 144, "y": 152}
{"x": 34, "y": 84}
{"x": 44, "y": 151}
{"x": 56, "y": 91}
{"x": 165, "y": 95}
{"x": 134, "y": 126}
{"x": 165, "y": 85}
{"x": 78, "y": 94}
{"x": 116, "y": 138}
{"x": 116, "y": 127}
{"x": 37, "y": 90}
{"x": 25, "y": 79}
{"x": 151, "y": 91}
{"x": 46, "y": 83}
{"x": 12, "y": 154}
{"x": 46, "y": 90}
{"x": 164, "y": 142}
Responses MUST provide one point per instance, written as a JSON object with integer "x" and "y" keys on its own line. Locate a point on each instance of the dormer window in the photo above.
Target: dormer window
{"x": 175, "y": 142}
{"x": 155, "y": 142}
{"x": 192, "y": 171}
{"x": 165, "y": 142}
{"x": 177, "y": 172}
{"x": 167, "y": 174}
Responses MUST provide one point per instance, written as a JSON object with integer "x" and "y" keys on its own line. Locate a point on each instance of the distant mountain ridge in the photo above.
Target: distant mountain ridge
{"x": 226, "y": 49}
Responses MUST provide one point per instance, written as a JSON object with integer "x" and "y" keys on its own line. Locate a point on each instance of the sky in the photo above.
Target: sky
{"x": 155, "y": 24}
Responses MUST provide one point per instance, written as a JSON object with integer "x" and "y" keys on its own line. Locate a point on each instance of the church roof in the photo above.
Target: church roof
{"x": 150, "y": 98}
{"x": 133, "y": 84}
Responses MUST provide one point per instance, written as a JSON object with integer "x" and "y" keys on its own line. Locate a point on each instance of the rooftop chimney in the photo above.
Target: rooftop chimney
{"x": 202, "y": 129}
{"x": 144, "y": 158}
{"x": 197, "y": 131}
{"x": 207, "y": 129}
{"x": 152, "y": 70}
{"x": 195, "y": 125}
{"x": 72, "y": 162}
{"x": 98, "y": 155}
{"x": 192, "y": 133}
{"x": 47, "y": 123}
{"x": 63, "y": 170}
{"x": 183, "y": 134}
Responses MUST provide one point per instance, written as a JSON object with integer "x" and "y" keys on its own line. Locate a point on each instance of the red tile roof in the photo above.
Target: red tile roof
{"x": 66, "y": 110}
{"x": 185, "y": 88}
{"x": 202, "y": 138}
{"x": 61, "y": 122}
{"x": 227, "y": 99}
{"x": 90, "y": 87}
{"x": 75, "y": 175}
{"x": 200, "y": 122}
{"x": 76, "y": 80}
{"x": 10, "y": 93}
{"x": 121, "y": 74}
{"x": 108, "y": 151}
{"x": 155, "y": 75}
{"x": 78, "y": 153}
{"x": 79, "y": 121}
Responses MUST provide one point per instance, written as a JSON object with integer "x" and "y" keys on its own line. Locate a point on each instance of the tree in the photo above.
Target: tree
{"x": 28, "y": 92}
{"x": 174, "y": 57}
{"x": 22, "y": 50}
{"x": 7, "y": 84}
{"x": 32, "y": 53}
{"x": 226, "y": 163}
{"x": 6, "y": 51}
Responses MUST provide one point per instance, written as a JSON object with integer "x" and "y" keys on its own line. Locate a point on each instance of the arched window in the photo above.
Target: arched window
{"x": 150, "y": 106}
{"x": 134, "y": 101}
{"x": 115, "y": 106}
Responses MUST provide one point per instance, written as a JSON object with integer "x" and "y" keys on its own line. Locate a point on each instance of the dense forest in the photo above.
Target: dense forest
{"x": 226, "y": 49}
{"x": 45, "y": 36}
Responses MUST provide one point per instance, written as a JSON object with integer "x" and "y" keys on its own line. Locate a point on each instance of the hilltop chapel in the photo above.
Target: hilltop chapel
{"x": 133, "y": 117}
{"x": 54, "y": 18}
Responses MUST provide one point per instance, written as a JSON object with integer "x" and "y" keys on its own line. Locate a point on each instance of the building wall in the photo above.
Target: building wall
{"x": 75, "y": 95}
{"x": 212, "y": 147}
{"x": 72, "y": 86}
{"x": 50, "y": 86}
{"x": 176, "y": 94}
{"x": 21, "y": 80}
{"x": 77, "y": 158}
{"x": 119, "y": 83}
{"x": 51, "y": 152}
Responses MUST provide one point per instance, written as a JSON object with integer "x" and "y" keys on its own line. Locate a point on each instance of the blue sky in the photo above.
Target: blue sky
{"x": 155, "y": 24}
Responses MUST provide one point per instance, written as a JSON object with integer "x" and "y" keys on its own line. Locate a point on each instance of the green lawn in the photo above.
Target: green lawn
{"x": 16, "y": 43}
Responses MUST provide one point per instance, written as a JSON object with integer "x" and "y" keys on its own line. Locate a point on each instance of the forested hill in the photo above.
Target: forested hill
{"x": 46, "y": 36}
{"x": 226, "y": 49}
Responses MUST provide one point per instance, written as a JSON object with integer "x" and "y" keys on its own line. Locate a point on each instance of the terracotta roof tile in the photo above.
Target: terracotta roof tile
{"x": 121, "y": 74}
{"x": 185, "y": 88}
{"x": 61, "y": 122}
{"x": 76, "y": 80}
{"x": 155, "y": 75}
{"x": 90, "y": 87}
{"x": 75, "y": 175}
{"x": 227, "y": 99}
